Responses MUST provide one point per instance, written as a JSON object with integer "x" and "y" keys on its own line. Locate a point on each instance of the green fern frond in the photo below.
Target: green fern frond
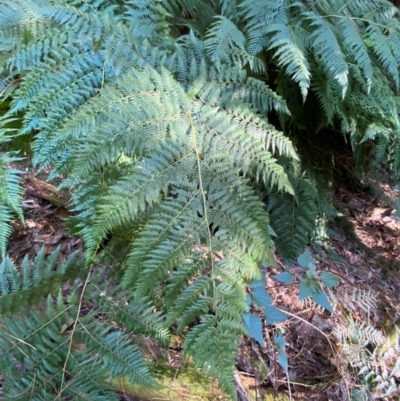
{"x": 6, "y": 216}
{"x": 28, "y": 284}
{"x": 289, "y": 51}
{"x": 10, "y": 188}
{"x": 251, "y": 91}
{"x": 10, "y": 198}
{"x": 120, "y": 306}
{"x": 293, "y": 218}
{"x": 120, "y": 356}
{"x": 220, "y": 331}
{"x": 148, "y": 19}
{"x": 326, "y": 48}
{"x": 378, "y": 42}
{"x": 38, "y": 360}
{"x": 169, "y": 144}
{"x": 223, "y": 37}
{"x": 357, "y": 48}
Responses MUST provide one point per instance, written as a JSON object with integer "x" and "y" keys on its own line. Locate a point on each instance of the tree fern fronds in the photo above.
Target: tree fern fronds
{"x": 166, "y": 244}
{"x": 28, "y": 285}
{"x": 107, "y": 6}
{"x": 259, "y": 15}
{"x": 275, "y": 142}
{"x": 178, "y": 281}
{"x": 357, "y": 48}
{"x": 40, "y": 49}
{"x": 255, "y": 92}
{"x": 148, "y": 19}
{"x": 77, "y": 86}
{"x": 293, "y": 218}
{"x": 126, "y": 118}
{"x": 326, "y": 91}
{"x": 10, "y": 188}
{"x": 224, "y": 131}
{"x": 6, "y": 216}
{"x": 229, "y": 9}
{"x": 119, "y": 356}
{"x": 263, "y": 11}
{"x": 289, "y": 50}
{"x": 394, "y": 43}
{"x": 82, "y": 60}
{"x": 195, "y": 14}
{"x": 377, "y": 41}
{"x": 20, "y": 20}
{"x": 10, "y": 198}
{"x": 143, "y": 187}
{"x": 211, "y": 337}
{"x": 269, "y": 28}
{"x": 192, "y": 302}
{"x": 326, "y": 49}
{"x": 238, "y": 213}
{"x": 93, "y": 155}
{"x": 120, "y": 306}
{"x": 168, "y": 237}
{"x": 223, "y": 37}
{"x": 40, "y": 344}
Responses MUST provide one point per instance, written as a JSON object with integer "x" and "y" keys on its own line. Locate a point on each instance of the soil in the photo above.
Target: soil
{"x": 363, "y": 251}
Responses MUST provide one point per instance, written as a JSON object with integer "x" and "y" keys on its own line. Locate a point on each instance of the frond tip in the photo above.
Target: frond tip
{"x": 27, "y": 284}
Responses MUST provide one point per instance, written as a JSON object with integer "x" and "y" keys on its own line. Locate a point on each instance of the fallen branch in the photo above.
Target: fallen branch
{"x": 241, "y": 392}
{"x": 43, "y": 190}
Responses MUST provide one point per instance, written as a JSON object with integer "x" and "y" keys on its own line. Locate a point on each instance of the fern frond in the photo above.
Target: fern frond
{"x": 362, "y": 334}
{"x": 120, "y": 306}
{"x": 223, "y": 37}
{"x": 40, "y": 344}
{"x": 148, "y": 19}
{"x": 357, "y": 48}
{"x": 10, "y": 198}
{"x": 269, "y": 28}
{"x": 289, "y": 50}
{"x": 6, "y": 216}
{"x": 293, "y": 218}
{"x": 219, "y": 333}
{"x": 378, "y": 42}
{"x": 120, "y": 356}
{"x": 10, "y": 188}
{"x": 326, "y": 49}
{"x": 365, "y": 299}
{"x": 28, "y": 284}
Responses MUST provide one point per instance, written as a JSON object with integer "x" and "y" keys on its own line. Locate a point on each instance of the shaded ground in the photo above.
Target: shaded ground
{"x": 326, "y": 351}
{"x": 356, "y": 349}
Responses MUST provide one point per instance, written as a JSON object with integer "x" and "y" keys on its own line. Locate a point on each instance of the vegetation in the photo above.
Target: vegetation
{"x": 195, "y": 137}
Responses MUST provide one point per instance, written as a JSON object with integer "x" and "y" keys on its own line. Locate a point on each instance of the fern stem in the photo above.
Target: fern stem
{"x": 63, "y": 372}
{"x": 196, "y": 149}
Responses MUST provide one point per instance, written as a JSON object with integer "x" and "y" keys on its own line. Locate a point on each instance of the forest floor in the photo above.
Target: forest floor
{"x": 351, "y": 354}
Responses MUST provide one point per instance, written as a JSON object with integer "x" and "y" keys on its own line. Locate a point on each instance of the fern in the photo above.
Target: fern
{"x": 52, "y": 351}
{"x": 177, "y": 128}
{"x": 333, "y": 49}
{"x": 222, "y": 37}
{"x": 292, "y": 218}
{"x": 10, "y": 198}
{"x": 371, "y": 353}
{"x": 33, "y": 280}
{"x": 40, "y": 345}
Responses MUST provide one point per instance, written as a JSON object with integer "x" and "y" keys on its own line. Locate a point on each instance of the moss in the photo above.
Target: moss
{"x": 183, "y": 384}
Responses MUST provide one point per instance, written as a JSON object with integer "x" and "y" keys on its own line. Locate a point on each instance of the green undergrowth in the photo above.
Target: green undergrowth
{"x": 197, "y": 139}
{"x": 181, "y": 383}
